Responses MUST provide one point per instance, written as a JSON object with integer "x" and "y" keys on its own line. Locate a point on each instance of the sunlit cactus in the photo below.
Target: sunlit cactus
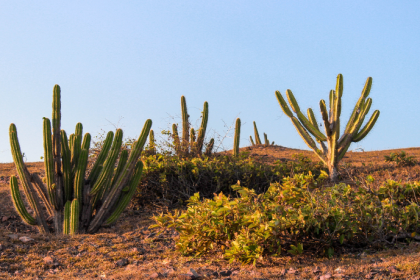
{"x": 335, "y": 147}
{"x": 257, "y": 135}
{"x": 76, "y": 203}
{"x": 209, "y": 147}
{"x": 237, "y": 137}
{"x": 190, "y": 144}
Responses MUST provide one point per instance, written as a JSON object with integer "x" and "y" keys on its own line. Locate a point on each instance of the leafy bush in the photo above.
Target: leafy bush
{"x": 297, "y": 214}
{"x": 401, "y": 159}
{"x": 172, "y": 179}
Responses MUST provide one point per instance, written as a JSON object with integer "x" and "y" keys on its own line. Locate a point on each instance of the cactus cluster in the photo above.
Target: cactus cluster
{"x": 191, "y": 144}
{"x": 336, "y": 147}
{"x": 76, "y": 203}
{"x": 257, "y": 138}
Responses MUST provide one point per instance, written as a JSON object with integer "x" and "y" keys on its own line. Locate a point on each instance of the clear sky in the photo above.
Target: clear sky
{"x": 122, "y": 62}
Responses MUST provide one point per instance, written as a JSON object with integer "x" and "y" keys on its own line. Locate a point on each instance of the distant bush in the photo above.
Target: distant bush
{"x": 172, "y": 179}
{"x": 401, "y": 159}
{"x": 293, "y": 217}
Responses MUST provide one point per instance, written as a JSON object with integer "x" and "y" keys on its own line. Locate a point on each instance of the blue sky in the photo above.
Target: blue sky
{"x": 122, "y": 62}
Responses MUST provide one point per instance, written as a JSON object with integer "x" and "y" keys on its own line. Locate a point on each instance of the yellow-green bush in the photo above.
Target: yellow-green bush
{"x": 294, "y": 216}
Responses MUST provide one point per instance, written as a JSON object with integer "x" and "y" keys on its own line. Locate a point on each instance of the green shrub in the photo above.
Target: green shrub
{"x": 401, "y": 159}
{"x": 172, "y": 179}
{"x": 295, "y": 216}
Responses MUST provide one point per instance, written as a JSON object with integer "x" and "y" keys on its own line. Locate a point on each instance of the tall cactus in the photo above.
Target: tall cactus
{"x": 69, "y": 196}
{"x": 257, "y": 135}
{"x": 152, "y": 144}
{"x": 237, "y": 137}
{"x": 336, "y": 147}
{"x": 190, "y": 144}
{"x": 185, "y": 125}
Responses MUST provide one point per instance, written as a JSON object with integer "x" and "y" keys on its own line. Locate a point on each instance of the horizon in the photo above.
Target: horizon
{"x": 119, "y": 64}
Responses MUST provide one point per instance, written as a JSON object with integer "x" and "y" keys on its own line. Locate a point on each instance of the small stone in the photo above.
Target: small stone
{"x": 292, "y": 271}
{"x": 4, "y": 218}
{"x": 194, "y": 273}
{"x": 13, "y": 236}
{"x": 325, "y": 276}
{"x": 25, "y": 239}
{"x": 316, "y": 270}
{"x": 225, "y": 273}
{"x": 393, "y": 269}
{"x": 154, "y": 275}
{"x": 122, "y": 262}
{"x": 48, "y": 260}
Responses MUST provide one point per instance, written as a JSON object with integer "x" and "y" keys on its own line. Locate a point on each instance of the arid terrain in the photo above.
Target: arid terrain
{"x": 129, "y": 250}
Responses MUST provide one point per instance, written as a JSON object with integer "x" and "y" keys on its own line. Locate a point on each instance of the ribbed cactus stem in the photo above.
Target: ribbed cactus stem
{"x": 257, "y": 135}
{"x": 49, "y": 160}
{"x": 112, "y": 198}
{"x": 152, "y": 144}
{"x": 266, "y": 142}
{"x": 192, "y": 140}
{"x": 185, "y": 124}
{"x": 77, "y": 145}
{"x": 74, "y": 216}
{"x": 121, "y": 164}
{"x": 18, "y": 202}
{"x": 209, "y": 147}
{"x": 109, "y": 164}
{"x": 67, "y": 215}
{"x": 203, "y": 127}
{"x": 66, "y": 161}
{"x": 79, "y": 179}
{"x": 97, "y": 166}
{"x": 56, "y": 146}
{"x": 86, "y": 141}
{"x": 25, "y": 180}
{"x": 125, "y": 197}
{"x": 237, "y": 137}
{"x": 175, "y": 136}
{"x": 252, "y": 140}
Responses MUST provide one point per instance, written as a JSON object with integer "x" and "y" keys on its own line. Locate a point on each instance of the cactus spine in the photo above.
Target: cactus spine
{"x": 237, "y": 137}
{"x": 336, "y": 147}
{"x": 67, "y": 189}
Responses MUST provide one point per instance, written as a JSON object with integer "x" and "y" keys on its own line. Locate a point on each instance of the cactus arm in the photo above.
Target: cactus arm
{"x": 324, "y": 114}
{"x": 42, "y": 192}
{"x": 109, "y": 164}
{"x": 257, "y": 135}
{"x": 209, "y": 147}
{"x": 97, "y": 167}
{"x": 283, "y": 104}
{"x": 252, "y": 141}
{"x": 66, "y": 219}
{"x": 74, "y": 215}
{"x": 312, "y": 119}
{"x": 366, "y": 129}
{"x": 79, "y": 179}
{"x": 125, "y": 198}
{"x": 122, "y": 180}
{"x": 86, "y": 141}
{"x": 192, "y": 140}
{"x": 177, "y": 144}
{"x": 152, "y": 144}
{"x": 27, "y": 186}
{"x": 203, "y": 127}
{"x": 66, "y": 161}
{"x": 185, "y": 124}
{"x": 49, "y": 160}
{"x": 121, "y": 163}
{"x": 77, "y": 144}
{"x": 18, "y": 203}
{"x": 266, "y": 142}
{"x": 56, "y": 146}
{"x": 237, "y": 137}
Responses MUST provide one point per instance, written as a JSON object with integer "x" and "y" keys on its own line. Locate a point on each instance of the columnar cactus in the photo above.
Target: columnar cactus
{"x": 152, "y": 144}
{"x": 237, "y": 137}
{"x": 336, "y": 147}
{"x": 77, "y": 204}
{"x": 252, "y": 141}
{"x": 190, "y": 144}
{"x": 257, "y": 135}
{"x": 209, "y": 147}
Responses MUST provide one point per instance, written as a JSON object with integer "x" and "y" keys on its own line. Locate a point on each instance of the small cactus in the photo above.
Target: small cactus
{"x": 237, "y": 137}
